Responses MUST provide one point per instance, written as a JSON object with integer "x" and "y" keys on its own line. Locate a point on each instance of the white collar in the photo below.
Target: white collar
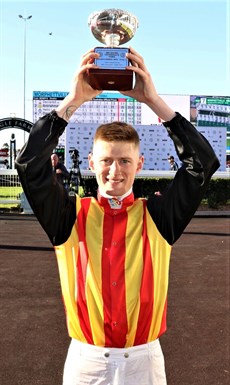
{"x": 120, "y": 198}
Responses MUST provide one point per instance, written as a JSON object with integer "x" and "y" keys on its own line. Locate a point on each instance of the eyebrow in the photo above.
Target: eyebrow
{"x": 110, "y": 157}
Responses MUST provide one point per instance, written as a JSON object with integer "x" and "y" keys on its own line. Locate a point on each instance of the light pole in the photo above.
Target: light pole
{"x": 24, "y": 77}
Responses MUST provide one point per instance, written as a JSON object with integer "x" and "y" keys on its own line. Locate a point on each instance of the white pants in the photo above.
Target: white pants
{"x": 92, "y": 365}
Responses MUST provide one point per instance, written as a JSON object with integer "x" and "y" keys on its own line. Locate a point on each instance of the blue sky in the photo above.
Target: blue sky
{"x": 186, "y": 46}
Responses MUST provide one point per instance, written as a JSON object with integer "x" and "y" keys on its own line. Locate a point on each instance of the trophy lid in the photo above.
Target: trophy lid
{"x": 113, "y": 22}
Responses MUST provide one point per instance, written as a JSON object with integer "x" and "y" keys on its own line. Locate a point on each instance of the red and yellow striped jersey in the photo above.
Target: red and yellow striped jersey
{"x": 114, "y": 259}
{"x": 114, "y": 274}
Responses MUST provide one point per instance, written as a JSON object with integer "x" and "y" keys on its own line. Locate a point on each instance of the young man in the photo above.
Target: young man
{"x": 60, "y": 170}
{"x": 113, "y": 252}
{"x": 173, "y": 166}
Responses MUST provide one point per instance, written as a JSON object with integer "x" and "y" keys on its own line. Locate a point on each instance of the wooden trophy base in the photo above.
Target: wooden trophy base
{"x": 110, "y": 80}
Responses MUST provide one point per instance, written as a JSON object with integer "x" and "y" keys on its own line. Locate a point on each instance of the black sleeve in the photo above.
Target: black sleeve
{"x": 175, "y": 208}
{"x": 49, "y": 200}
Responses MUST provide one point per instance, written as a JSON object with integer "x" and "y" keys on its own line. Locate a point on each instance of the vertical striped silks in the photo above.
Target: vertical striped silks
{"x": 114, "y": 275}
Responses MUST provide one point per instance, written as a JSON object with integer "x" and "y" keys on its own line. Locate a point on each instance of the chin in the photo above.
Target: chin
{"x": 114, "y": 191}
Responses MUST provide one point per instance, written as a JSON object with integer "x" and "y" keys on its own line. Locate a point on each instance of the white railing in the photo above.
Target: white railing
{"x": 10, "y": 187}
{"x": 9, "y": 179}
{"x": 161, "y": 174}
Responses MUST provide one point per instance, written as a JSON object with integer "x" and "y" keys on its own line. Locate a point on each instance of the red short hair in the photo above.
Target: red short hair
{"x": 117, "y": 132}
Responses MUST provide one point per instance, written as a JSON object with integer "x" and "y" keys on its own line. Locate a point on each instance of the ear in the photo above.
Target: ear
{"x": 91, "y": 162}
{"x": 140, "y": 164}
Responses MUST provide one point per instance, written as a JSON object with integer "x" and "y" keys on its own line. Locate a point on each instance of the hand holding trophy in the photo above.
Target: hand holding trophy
{"x": 112, "y": 27}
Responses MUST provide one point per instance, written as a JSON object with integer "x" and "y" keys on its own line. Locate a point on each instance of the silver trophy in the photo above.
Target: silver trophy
{"x": 113, "y": 27}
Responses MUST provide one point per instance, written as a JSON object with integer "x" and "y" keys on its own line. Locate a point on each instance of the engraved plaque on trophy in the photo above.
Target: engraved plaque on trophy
{"x": 113, "y": 27}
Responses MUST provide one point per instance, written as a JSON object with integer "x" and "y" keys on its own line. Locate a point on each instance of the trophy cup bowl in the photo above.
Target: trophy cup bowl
{"x": 112, "y": 27}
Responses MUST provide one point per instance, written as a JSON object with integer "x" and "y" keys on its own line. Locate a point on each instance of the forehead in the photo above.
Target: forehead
{"x": 122, "y": 149}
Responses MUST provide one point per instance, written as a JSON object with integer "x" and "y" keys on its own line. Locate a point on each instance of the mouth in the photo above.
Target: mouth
{"x": 114, "y": 181}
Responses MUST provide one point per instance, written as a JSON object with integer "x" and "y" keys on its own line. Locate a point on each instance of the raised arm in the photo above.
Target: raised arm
{"x": 48, "y": 198}
{"x": 144, "y": 90}
{"x": 80, "y": 91}
{"x": 173, "y": 210}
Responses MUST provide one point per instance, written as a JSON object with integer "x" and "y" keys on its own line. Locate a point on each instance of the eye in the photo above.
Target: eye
{"x": 106, "y": 161}
{"x": 125, "y": 161}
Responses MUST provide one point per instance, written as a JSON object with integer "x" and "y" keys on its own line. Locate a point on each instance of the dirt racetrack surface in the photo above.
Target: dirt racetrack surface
{"x": 33, "y": 333}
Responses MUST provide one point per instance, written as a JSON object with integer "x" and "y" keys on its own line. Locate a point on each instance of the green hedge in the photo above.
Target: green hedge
{"x": 218, "y": 191}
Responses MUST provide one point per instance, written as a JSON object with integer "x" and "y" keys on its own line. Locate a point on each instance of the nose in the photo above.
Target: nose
{"x": 114, "y": 168}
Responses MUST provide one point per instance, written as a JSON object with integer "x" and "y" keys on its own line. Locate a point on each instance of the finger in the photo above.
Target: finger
{"x": 132, "y": 51}
{"x": 136, "y": 59}
{"x": 89, "y": 51}
{"x": 82, "y": 71}
{"x": 138, "y": 71}
{"x": 89, "y": 57}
